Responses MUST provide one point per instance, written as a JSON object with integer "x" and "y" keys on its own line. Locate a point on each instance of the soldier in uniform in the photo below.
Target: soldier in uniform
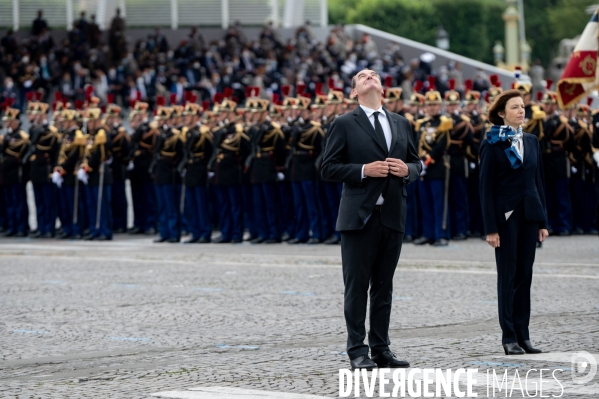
{"x": 267, "y": 156}
{"x": 143, "y": 194}
{"x": 42, "y": 157}
{"x": 70, "y": 158}
{"x": 533, "y": 114}
{"x": 121, "y": 148}
{"x": 306, "y": 146}
{"x": 232, "y": 146}
{"x": 198, "y": 148}
{"x": 471, "y": 102}
{"x": 15, "y": 143}
{"x": 461, "y": 140}
{"x": 583, "y": 170}
{"x": 434, "y": 132}
{"x": 556, "y": 145}
{"x": 97, "y": 176}
{"x": 169, "y": 151}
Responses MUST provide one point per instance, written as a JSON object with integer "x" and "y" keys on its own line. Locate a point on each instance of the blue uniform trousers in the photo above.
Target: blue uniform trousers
{"x": 285, "y": 209}
{"x": 119, "y": 205}
{"x": 16, "y": 201}
{"x": 458, "y": 205}
{"x": 305, "y": 200}
{"x": 45, "y": 206}
{"x": 71, "y": 226}
{"x": 265, "y": 210}
{"x": 104, "y": 227}
{"x": 169, "y": 215}
{"x": 247, "y": 206}
{"x": 144, "y": 205}
{"x": 412, "y": 210}
{"x": 583, "y": 205}
{"x": 198, "y": 211}
{"x": 432, "y": 197}
{"x": 559, "y": 206}
{"x": 330, "y": 198}
{"x": 230, "y": 212}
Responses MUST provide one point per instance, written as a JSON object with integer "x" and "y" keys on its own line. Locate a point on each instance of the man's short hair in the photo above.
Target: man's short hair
{"x": 354, "y": 78}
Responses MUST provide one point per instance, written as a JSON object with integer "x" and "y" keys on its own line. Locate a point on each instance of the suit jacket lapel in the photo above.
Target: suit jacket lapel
{"x": 362, "y": 120}
{"x": 394, "y": 130}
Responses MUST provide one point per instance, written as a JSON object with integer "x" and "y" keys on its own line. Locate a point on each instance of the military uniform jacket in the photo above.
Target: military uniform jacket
{"x": 199, "y": 148}
{"x": 169, "y": 155}
{"x": 581, "y": 156}
{"x": 268, "y": 153}
{"x": 121, "y": 146}
{"x": 143, "y": 141}
{"x": 556, "y": 143}
{"x": 99, "y": 150}
{"x": 232, "y": 149}
{"x": 45, "y": 144}
{"x": 72, "y": 153}
{"x": 14, "y": 146}
{"x": 461, "y": 141}
{"x": 433, "y": 144}
{"x": 533, "y": 120}
{"x": 306, "y": 149}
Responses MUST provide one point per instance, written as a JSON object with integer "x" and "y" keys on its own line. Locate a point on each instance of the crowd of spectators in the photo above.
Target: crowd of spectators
{"x": 153, "y": 66}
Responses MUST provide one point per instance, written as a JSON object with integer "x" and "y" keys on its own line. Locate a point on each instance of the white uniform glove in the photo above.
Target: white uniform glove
{"x": 82, "y": 176}
{"x": 573, "y": 169}
{"x": 596, "y": 157}
{"x": 423, "y": 169}
{"x": 280, "y": 176}
{"x": 472, "y": 165}
{"x": 57, "y": 178}
{"x": 210, "y": 175}
{"x": 130, "y": 166}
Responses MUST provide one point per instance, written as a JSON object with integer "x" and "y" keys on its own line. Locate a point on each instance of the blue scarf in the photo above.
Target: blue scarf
{"x": 504, "y": 133}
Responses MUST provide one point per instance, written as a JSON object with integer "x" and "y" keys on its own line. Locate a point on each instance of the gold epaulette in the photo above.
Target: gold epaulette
{"x": 419, "y": 122}
{"x": 583, "y": 125}
{"x": 153, "y": 125}
{"x": 23, "y": 135}
{"x": 409, "y": 117}
{"x": 537, "y": 113}
{"x": 100, "y": 138}
{"x": 595, "y": 112}
{"x": 563, "y": 119}
{"x": 465, "y": 118}
{"x": 445, "y": 125}
{"x": 204, "y": 129}
{"x": 184, "y": 130}
{"x": 79, "y": 138}
{"x": 122, "y": 130}
{"x": 52, "y": 129}
{"x": 315, "y": 123}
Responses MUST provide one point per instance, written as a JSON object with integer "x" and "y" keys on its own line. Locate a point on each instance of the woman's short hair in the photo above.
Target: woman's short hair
{"x": 499, "y": 105}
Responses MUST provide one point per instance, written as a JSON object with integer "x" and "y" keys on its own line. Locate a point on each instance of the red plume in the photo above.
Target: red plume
{"x": 10, "y": 101}
{"x": 110, "y": 98}
{"x": 138, "y": 95}
{"x": 29, "y": 96}
{"x": 205, "y": 104}
{"x": 228, "y": 92}
{"x": 53, "y": 106}
{"x": 431, "y": 83}
{"x": 494, "y": 79}
{"x": 103, "y": 109}
{"x": 539, "y": 95}
{"x": 57, "y": 96}
{"x": 89, "y": 90}
{"x": 218, "y": 97}
{"x": 418, "y": 86}
{"x": 589, "y": 101}
{"x": 256, "y": 91}
{"x": 451, "y": 84}
{"x": 248, "y": 91}
{"x": 548, "y": 83}
{"x": 331, "y": 83}
{"x": 388, "y": 81}
{"x": 487, "y": 96}
{"x": 132, "y": 103}
{"x": 498, "y": 83}
{"x": 275, "y": 98}
{"x": 468, "y": 84}
{"x": 173, "y": 98}
{"x": 286, "y": 89}
{"x": 78, "y": 104}
{"x": 300, "y": 89}
{"x": 160, "y": 101}
{"x": 193, "y": 98}
{"x": 38, "y": 95}
{"x": 318, "y": 89}
{"x": 513, "y": 85}
{"x": 186, "y": 95}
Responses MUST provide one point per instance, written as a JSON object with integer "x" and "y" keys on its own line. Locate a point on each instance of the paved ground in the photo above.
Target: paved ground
{"x": 128, "y": 319}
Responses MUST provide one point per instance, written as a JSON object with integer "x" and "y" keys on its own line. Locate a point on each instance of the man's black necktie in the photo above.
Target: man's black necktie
{"x": 379, "y": 131}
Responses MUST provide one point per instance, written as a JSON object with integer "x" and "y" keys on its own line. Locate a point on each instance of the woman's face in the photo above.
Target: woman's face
{"x": 514, "y": 112}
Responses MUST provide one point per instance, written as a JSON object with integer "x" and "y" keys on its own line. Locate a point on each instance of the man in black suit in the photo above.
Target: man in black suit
{"x": 372, "y": 152}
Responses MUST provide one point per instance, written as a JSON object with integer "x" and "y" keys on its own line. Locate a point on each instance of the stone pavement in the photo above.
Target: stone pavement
{"x": 128, "y": 318}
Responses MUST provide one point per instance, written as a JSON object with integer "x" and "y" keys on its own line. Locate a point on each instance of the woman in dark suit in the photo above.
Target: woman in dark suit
{"x": 514, "y": 214}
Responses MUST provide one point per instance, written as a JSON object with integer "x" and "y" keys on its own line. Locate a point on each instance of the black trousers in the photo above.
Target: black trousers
{"x": 369, "y": 259}
{"x": 515, "y": 257}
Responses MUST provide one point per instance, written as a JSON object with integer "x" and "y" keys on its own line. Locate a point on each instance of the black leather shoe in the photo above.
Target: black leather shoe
{"x": 160, "y": 239}
{"x": 102, "y": 238}
{"x": 564, "y": 233}
{"x": 47, "y": 235}
{"x": 577, "y": 232}
{"x": 332, "y": 240}
{"x": 295, "y": 241}
{"x": 150, "y": 232}
{"x": 539, "y": 244}
{"x": 88, "y": 237}
{"x": 422, "y": 241}
{"x": 313, "y": 241}
{"x": 408, "y": 239}
{"x": 474, "y": 233}
{"x": 75, "y": 237}
{"x": 135, "y": 230}
{"x": 62, "y": 236}
{"x": 441, "y": 242}
{"x": 257, "y": 240}
{"x": 387, "y": 360}
{"x": 236, "y": 241}
{"x": 459, "y": 237}
{"x": 191, "y": 241}
{"x": 528, "y": 347}
{"x": 512, "y": 349}
{"x": 173, "y": 240}
{"x": 272, "y": 241}
{"x": 21, "y": 234}
{"x": 220, "y": 240}
{"x": 204, "y": 240}
{"x": 362, "y": 362}
{"x": 37, "y": 234}
{"x": 285, "y": 237}
{"x": 119, "y": 231}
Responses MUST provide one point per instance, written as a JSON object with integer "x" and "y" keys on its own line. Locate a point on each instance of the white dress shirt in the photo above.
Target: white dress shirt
{"x": 384, "y": 121}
